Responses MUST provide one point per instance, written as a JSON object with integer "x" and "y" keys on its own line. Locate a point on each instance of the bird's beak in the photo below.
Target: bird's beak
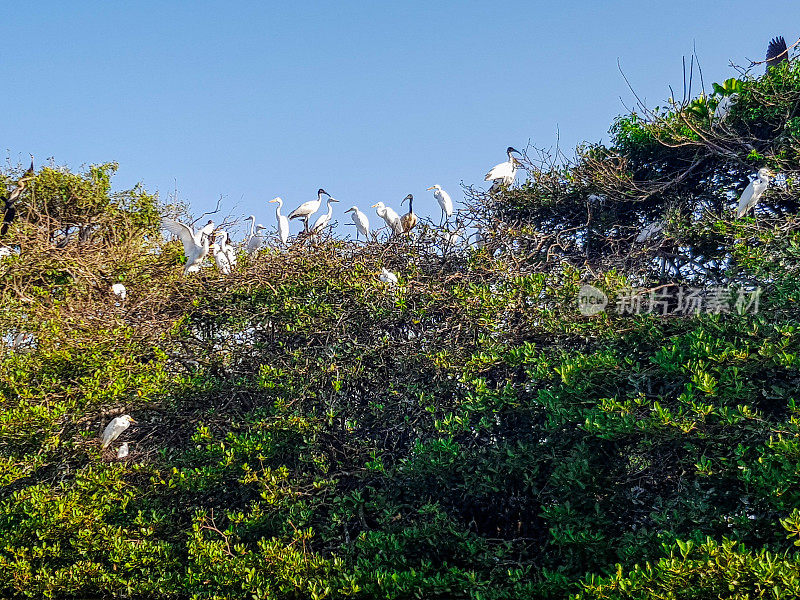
{"x": 430, "y": 188}
{"x": 373, "y": 206}
{"x": 134, "y": 421}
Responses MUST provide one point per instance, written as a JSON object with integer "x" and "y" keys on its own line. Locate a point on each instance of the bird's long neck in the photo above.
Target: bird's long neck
{"x": 411, "y": 205}
{"x": 278, "y": 210}
{"x": 330, "y": 208}
{"x": 252, "y": 226}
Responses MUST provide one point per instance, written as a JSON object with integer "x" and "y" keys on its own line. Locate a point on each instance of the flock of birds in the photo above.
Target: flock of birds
{"x": 199, "y": 243}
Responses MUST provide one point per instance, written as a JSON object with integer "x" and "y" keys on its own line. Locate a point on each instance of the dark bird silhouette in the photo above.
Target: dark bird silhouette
{"x": 777, "y": 52}
{"x": 9, "y": 208}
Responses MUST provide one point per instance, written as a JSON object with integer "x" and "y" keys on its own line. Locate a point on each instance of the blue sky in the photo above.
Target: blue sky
{"x": 252, "y": 100}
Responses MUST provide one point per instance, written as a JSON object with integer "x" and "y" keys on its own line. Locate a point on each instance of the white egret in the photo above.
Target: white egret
{"x": 361, "y": 221}
{"x": 504, "y": 173}
{"x": 195, "y": 244}
{"x": 409, "y": 220}
{"x": 387, "y": 277}
{"x": 256, "y": 240}
{"x": 480, "y": 239}
{"x": 115, "y": 428}
{"x": 119, "y": 290}
{"x": 752, "y": 193}
{"x": 223, "y": 264}
{"x": 305, "y": 210}
{"x": 123, "y": 451}
{"x": 226, "y": 247}
{"x": 391, "y": 218}
{"x": 208, "y": 228}
{"x": 323, "y": 220}
{"x": 283, "y": 222}
{"x": 724, "y": 107}
{"x": 444, "y": 200}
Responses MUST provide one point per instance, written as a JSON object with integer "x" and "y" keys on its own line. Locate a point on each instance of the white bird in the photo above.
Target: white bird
{"x": 323, "y": 220}
{"x": 724, "y": 107}
{"x": 226, "y": 247}
{"x": 223, "y": 264}
{"x": 361, "y": 221}
{"x": 255, "y": 242}
{"x": 208, "y": 228}
{"x": 115, "y": 428}
{"x": 387, "y": 277}
{"x": 283, "y": 221}
{"x": 651, "y": 230}
{"x": 195, "y": 244}
{"x": 390, "y": 216}
{"x": 752, "y": 193}
{"x": 123, "y": 451}
{"x": 306, "y": 209}
{"x": 444, "y": 200}
{"x": 504, "y": 173}
{"x": 119, "y": 290}
{"x": 480, "y": 239}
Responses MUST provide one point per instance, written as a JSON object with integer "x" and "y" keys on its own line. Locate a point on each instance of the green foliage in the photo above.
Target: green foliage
{"x": 305, "y": 431}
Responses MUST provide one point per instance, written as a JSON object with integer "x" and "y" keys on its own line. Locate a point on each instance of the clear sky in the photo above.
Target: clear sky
{"x": 370, "y": 100}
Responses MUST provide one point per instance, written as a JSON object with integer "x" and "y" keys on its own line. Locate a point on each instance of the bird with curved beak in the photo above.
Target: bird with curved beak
{"x": 306, "y": 209}
{"x": 409, "y": 220}
{"x": 504, "y": 173}
{"x": 361, "y": 222}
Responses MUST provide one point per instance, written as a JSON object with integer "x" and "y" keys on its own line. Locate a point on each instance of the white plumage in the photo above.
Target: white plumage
{"x": 195, "y": 244}
{"x": 361, "y": 221}
{"x": 724, "y": 107}
{"x": 752, "y": 193}
{"x": 283, "y": 221}
{"x": 505, "y": 172}
{"x": 651, "y": 230}
{"x": 391, "y": 218}
{"x": 387, "y": 277}
{"x": 223, "y": 264}
{"x": 323, "y": 220}
{"x": 306, "y": 209}
{"x": 256, "y": 240}
{"x": 123, "y": 451}
{"x": 444, "y": 200}
{"x": 119, "y": 290}
{"x": 115, "y": 428}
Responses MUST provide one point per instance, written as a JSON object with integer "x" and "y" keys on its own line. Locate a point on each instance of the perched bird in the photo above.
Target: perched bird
{"x": 445, "y": 203}
{"x": 256, "y": 240}
{"x": 115, "y": 428}
{"x": 361, "y": 221}
{"x": 752, "y": 193}
{"x": 724, "y": 107}
{"x": 119, "y": 290}
{"x": 226, "y": 247}
{"x": 504, "y": 173}
{"x": 123, "y": 451}
{"x": 776, "y": 52}
{"x": 283, "y": 222}
{"x": 207, "y": 229}
{"x": 387, "y": 277}
{"x": 651, "y": 230}
{"x": 223, "y": 264}
{"x": 409, "y": 220}
{"x": 323, "y": 220}
{"x": 9, "y": 208}
{"x": 391, "y": 218}
{"x": 305, "y": 210}
{"x": 195, "y": 244}
{"x": 480, "y": 239}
